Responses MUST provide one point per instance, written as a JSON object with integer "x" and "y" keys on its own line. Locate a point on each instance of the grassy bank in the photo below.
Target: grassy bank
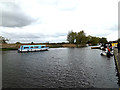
{"x": 6, "y": 47}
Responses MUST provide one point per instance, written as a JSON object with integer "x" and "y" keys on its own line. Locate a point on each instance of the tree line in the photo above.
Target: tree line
{"x": 74, "y": 38}
{"x": 81, "y": 38}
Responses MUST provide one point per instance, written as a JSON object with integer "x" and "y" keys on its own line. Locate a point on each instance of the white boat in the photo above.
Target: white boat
{"x": 105, "y": 53}
{"x": 31, "y": 48}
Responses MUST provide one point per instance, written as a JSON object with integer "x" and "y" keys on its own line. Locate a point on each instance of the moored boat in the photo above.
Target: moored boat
{"x": 31, "y": 48}
{"x": 105, "y": 53}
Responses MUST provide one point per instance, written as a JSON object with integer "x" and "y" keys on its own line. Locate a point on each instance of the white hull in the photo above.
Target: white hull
{"x": 33, "y": 50}
{"x": 105, "y": 53}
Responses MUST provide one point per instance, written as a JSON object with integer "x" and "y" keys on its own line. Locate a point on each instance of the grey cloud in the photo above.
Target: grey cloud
{"x": 48, "y": 2}
{"x": 13, "y": 16}
{"x": 102, "y": 35}
{"x": 55, "y": 35}
{"x": 38, "y": 37}
{"x": 118, "y": 33}
{"x": 59, "y": 34}
{"x": 21, "y": 35}
{"x": 114, "y": 28}
{"x": 67, "y": 9}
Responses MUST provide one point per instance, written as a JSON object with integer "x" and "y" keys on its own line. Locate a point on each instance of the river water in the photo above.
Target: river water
{"x": 58, "y": 68}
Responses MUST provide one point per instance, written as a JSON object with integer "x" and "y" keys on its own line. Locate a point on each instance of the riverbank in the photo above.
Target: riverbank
{"x": 117, "y": 60}
{"x": 6, "y": 47}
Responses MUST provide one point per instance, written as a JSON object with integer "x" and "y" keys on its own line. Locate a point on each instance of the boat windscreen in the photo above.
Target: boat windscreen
{"x": 26, "y": 47}
{"x": 42, "y": 46}
{"x": 36, "y": 47}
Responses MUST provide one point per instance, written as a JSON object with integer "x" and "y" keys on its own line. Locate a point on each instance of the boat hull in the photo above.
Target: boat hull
{"x": 108, "y": 54}
{"x": 32, "y": 50}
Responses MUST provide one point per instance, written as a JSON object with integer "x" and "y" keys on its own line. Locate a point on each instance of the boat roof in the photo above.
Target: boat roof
{"x": 32, "y": 45}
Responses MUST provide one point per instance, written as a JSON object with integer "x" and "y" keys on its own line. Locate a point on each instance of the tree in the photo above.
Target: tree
{"x": 32, "y": 43}
{"x": 88, "y": 38}
{"x": 81, "y": 38}
{"x": 3, "y": 39}
{"x": 71, "y": 37}
{"x": 103, "y": 40}
{"x": 18, "y": 43}
{"x": 94, "y": 40}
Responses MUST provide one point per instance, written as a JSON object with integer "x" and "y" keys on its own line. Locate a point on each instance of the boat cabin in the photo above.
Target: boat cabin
{"x": 30, "y": 48}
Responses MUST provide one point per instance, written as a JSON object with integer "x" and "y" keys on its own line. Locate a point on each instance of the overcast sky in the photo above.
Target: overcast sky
{"x": 50, "y": 20}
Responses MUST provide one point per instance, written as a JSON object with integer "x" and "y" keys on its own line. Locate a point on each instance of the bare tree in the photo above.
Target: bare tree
{"x": 3, "y": 39}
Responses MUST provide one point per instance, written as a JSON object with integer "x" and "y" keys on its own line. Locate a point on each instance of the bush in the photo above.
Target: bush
{"x": 18, "y": 43}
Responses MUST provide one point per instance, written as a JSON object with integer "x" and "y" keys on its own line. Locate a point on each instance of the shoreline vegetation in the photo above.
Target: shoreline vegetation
{"x": 75, "y": 39}
{"x": 6, "y": 47}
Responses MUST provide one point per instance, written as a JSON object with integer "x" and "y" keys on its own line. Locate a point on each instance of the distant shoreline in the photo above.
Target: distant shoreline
{"x": 6, "y": 47}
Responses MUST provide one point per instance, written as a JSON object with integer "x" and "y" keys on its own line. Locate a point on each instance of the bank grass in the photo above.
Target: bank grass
{"x": 55, "y": 46}
{"x": 7, "y": 49}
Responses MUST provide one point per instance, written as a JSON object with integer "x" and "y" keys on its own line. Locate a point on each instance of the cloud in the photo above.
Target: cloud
{"x": 102, "y": 34}
{"x": 67, "y": 5}
{"x": 17, "y": 34}
{"x": 13, "y": 16}
{"x": 50, "y": 20}
{"x": 114, "y": 28}
{"x": 113, "y": 36}
{"x": 119, "y": 31}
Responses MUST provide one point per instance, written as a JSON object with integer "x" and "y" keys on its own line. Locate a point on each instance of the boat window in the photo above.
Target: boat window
{"x": 42, "y": 46}
{"x": 36, "y": 47}
{"x": 21, "y": 47}
{"x": 26, "y": 47}
{"x": 31, "y": 47}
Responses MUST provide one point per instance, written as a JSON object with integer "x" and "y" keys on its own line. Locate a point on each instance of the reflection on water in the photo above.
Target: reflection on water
{"x": 59, "y": 67}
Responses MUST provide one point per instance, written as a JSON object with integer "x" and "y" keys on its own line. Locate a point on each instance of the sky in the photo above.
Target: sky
{"x": 43, "y": 21}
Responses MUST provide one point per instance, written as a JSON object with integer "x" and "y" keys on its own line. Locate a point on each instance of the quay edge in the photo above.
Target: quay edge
{"x": 117, "y": 60}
